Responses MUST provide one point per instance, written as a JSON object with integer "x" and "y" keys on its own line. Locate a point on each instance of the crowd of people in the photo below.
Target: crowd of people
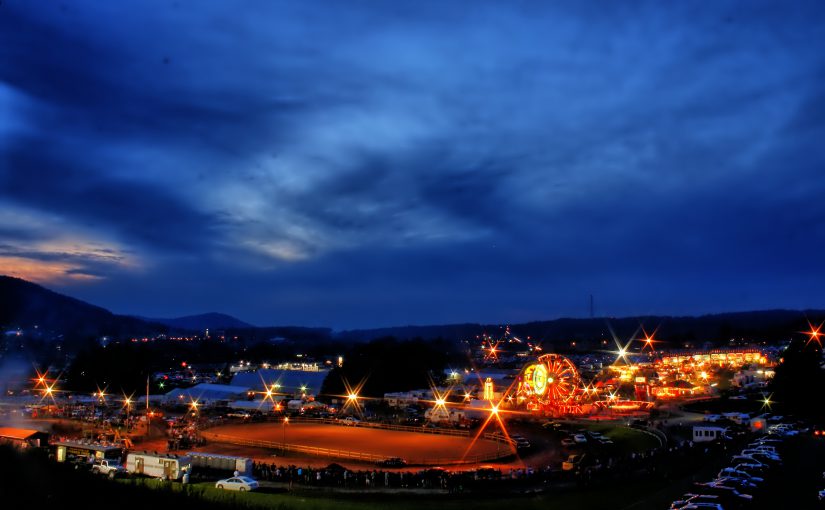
{"x": 459, "y": 480}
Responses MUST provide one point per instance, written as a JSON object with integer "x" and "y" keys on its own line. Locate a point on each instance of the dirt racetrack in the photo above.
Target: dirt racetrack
{"x": 416, "y": 448}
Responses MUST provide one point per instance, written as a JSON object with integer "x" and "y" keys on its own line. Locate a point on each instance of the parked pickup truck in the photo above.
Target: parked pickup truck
{"x": 108, "y": 468}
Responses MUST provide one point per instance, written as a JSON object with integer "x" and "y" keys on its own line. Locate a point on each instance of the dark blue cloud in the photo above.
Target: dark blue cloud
{"x": 383, "y": 162}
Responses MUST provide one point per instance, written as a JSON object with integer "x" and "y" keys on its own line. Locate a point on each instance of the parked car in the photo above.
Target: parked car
{"x": 720, "y": 488}
{"x": 521, "y": 442}
{"x": 738, "y": 473}
{"x": 579, "y": 438}
{"x": 757, "y": 469}
{"x": 108, "y": 468}
{"x": 237, "y": 483}
{"x": 767, "y": 455}
{"x": 350, "y": 421}
{"x": 742, "y": 484}
{"x": 692, "y": 499}
{"x": 748, "y": 459}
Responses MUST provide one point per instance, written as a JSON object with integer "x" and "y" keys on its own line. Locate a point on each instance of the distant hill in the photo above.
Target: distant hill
{"x": 24, "y": 304}
{"x": 717, "y": 329}
{"x": 212, "y": 320}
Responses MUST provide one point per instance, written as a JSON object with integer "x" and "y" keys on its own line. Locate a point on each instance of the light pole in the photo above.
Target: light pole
{"x": 286, "y": 420}
{"x": 128, "y": 403}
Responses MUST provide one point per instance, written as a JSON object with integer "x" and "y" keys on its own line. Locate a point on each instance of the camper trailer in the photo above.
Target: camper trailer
{"x": 217, "y": 464}
{"x": 446, "y": 416}
{"x": 82, "y": 452}
{"x": 158, "y": 465}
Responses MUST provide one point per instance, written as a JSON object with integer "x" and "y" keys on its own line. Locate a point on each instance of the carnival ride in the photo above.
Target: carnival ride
{"x": 552, "y": 386}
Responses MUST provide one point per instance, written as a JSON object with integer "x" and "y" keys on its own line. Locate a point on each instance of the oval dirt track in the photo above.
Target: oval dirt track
{"x": 415, "y": 447}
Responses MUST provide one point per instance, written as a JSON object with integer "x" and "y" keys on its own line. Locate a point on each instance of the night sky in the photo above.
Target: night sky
{"x": 357, "y": 164}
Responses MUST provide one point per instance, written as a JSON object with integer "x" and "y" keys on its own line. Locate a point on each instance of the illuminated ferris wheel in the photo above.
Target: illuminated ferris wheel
{"x": 550, "y": 384}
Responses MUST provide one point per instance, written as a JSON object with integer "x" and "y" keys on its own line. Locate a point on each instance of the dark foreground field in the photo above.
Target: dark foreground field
{"x": 33, "y": 480}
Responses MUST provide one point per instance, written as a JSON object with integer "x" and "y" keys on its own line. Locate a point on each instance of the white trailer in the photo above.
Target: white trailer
{"x": 158, "y": 465}
{"x": 441, "y": 414}
{"x": 206, "y": 462}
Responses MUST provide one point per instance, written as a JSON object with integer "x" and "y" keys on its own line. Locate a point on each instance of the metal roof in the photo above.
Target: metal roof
{"x": 20, "y": 434}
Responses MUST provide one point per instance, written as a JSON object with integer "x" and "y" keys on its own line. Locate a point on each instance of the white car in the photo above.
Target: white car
{"x": 350, "y": 420}
{"x": 579, "y": 438}
{"x": 694, "y": 499}
{"x": 237, "y": 483}
{"x": 738, "y": 473}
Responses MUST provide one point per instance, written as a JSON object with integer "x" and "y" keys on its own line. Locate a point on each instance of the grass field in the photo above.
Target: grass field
{"x": 626, "y": 440}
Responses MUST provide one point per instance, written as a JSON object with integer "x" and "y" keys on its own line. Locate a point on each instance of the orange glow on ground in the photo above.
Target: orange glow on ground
{"x": 414, "y": 447}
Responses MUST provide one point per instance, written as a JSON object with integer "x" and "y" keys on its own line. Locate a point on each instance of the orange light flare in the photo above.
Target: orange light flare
{"x": 101, "y": 395}
{"x": 496, "y": 412}
{"x": 49, "y": 392}
{"x": 815, "y": 334}
{"x": 41, "y": 380}
{"x": 269, "y": 393}
{"x": 49, "y": 387}
{"x": 353, "y": 396}
{"x": 492, "y": 351}
{"x": 649, "y": 340}
{"x": 128, "y": 401}
{"x": 440, "y": 399}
